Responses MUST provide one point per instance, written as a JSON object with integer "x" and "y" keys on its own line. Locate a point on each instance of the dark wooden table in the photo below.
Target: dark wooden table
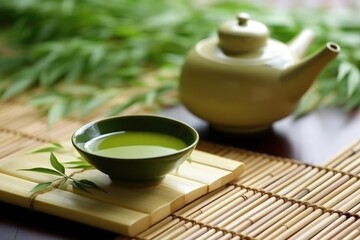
{"x": 314, "y": 139}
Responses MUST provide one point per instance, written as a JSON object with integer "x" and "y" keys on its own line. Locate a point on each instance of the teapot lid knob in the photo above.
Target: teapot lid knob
{"x": 242, "y": 35}
{"x": 243, "y": 18}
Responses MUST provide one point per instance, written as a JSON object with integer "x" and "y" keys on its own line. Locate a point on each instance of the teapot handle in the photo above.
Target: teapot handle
{"x": 301, "y": 43}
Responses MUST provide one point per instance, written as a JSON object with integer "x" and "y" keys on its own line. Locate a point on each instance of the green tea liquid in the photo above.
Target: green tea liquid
{"x": 134, "y": 145}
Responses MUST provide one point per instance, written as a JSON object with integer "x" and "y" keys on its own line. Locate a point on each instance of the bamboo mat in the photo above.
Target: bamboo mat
{"x": 275, "y": 198}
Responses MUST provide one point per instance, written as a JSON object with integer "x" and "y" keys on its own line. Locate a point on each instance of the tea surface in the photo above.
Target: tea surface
{"x": 130, "y": 144}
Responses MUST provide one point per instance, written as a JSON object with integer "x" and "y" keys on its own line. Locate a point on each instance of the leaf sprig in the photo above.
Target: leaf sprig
{"x": 58, "y": 169}
{"x": 53, "y": 147}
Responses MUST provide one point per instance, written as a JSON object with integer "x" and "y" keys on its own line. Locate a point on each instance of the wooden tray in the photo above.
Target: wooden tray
{"x": 123, "y": 210}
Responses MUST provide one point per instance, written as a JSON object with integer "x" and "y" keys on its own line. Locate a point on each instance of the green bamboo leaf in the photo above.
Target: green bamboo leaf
{"x": 19, "y": 84}
{"x": 344, "y": 69}
{"x": 59, "y": 145}
{"x": 43, "y": 100}
{"x": 44, "y": 62}
{"x": 55, "y": 147}
{"x": 57, "y": 111}
{"x": 56, "y": 164}
{"x": 8, "y": 64}
{"x": 81, "y": 90}
{"x": 79, "y": 164}
{"x": 310, "y": 101}
{"x": 94, "y": 103}
{"x": 82, "y": 166}
{"x": 49, "y": 76}
{"x": 150, "y": 97}
{"x": 346, "y": 38}
{"x": 166, "y": 19}
{"x": 353, "y": 81}
{"x": 127, "y": 31}
{"x": 132, "y": 71}
{"x": 41, "y": 187}
{"x": 98, "y": 53}
{"x": 353, "y": 102}
{"x": 68, "y": 6}
{"x": 75, "y": 162}
{"x": 43, "y": 170}
{"x": 125, "y": 105}
{"x": 46, "y": 149}
{"x": 75, "y": 71}
{"x": 80, "y": 186}
{"x": 90, "y": 184}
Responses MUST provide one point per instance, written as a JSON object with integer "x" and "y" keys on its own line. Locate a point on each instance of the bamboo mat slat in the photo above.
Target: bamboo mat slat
{"x": 275, "y": 198}
{"x": 348, "y": 160}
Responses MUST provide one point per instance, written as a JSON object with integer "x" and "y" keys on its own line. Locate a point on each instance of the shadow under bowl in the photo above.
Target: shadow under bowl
{"x": 141, "y": 171}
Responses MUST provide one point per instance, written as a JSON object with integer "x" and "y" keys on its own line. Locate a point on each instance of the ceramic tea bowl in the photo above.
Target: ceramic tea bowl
{"x": 135, "y": 150}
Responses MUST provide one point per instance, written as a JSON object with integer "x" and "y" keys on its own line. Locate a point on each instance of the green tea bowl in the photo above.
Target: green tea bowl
{"x": 135, "y": 150}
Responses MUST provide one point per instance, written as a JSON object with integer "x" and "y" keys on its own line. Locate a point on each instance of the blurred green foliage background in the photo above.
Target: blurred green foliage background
{"x": 74, "y": 56}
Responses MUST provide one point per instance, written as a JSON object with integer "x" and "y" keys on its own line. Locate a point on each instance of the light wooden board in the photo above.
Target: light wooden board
{"x": 120, "y": 209}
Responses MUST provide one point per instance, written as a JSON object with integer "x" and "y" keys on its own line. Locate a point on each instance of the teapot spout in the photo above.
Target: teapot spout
{"x": 298, "y": 78}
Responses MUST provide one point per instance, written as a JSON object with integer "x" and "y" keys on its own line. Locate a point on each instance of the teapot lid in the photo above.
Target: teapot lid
{"x": 242, "y": 35}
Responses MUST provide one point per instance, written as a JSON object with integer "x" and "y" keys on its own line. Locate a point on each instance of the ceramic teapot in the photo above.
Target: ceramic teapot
{"x": 243, "y": 81}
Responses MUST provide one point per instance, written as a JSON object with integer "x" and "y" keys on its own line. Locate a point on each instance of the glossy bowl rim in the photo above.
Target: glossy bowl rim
{"x": 181, "y": 151}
